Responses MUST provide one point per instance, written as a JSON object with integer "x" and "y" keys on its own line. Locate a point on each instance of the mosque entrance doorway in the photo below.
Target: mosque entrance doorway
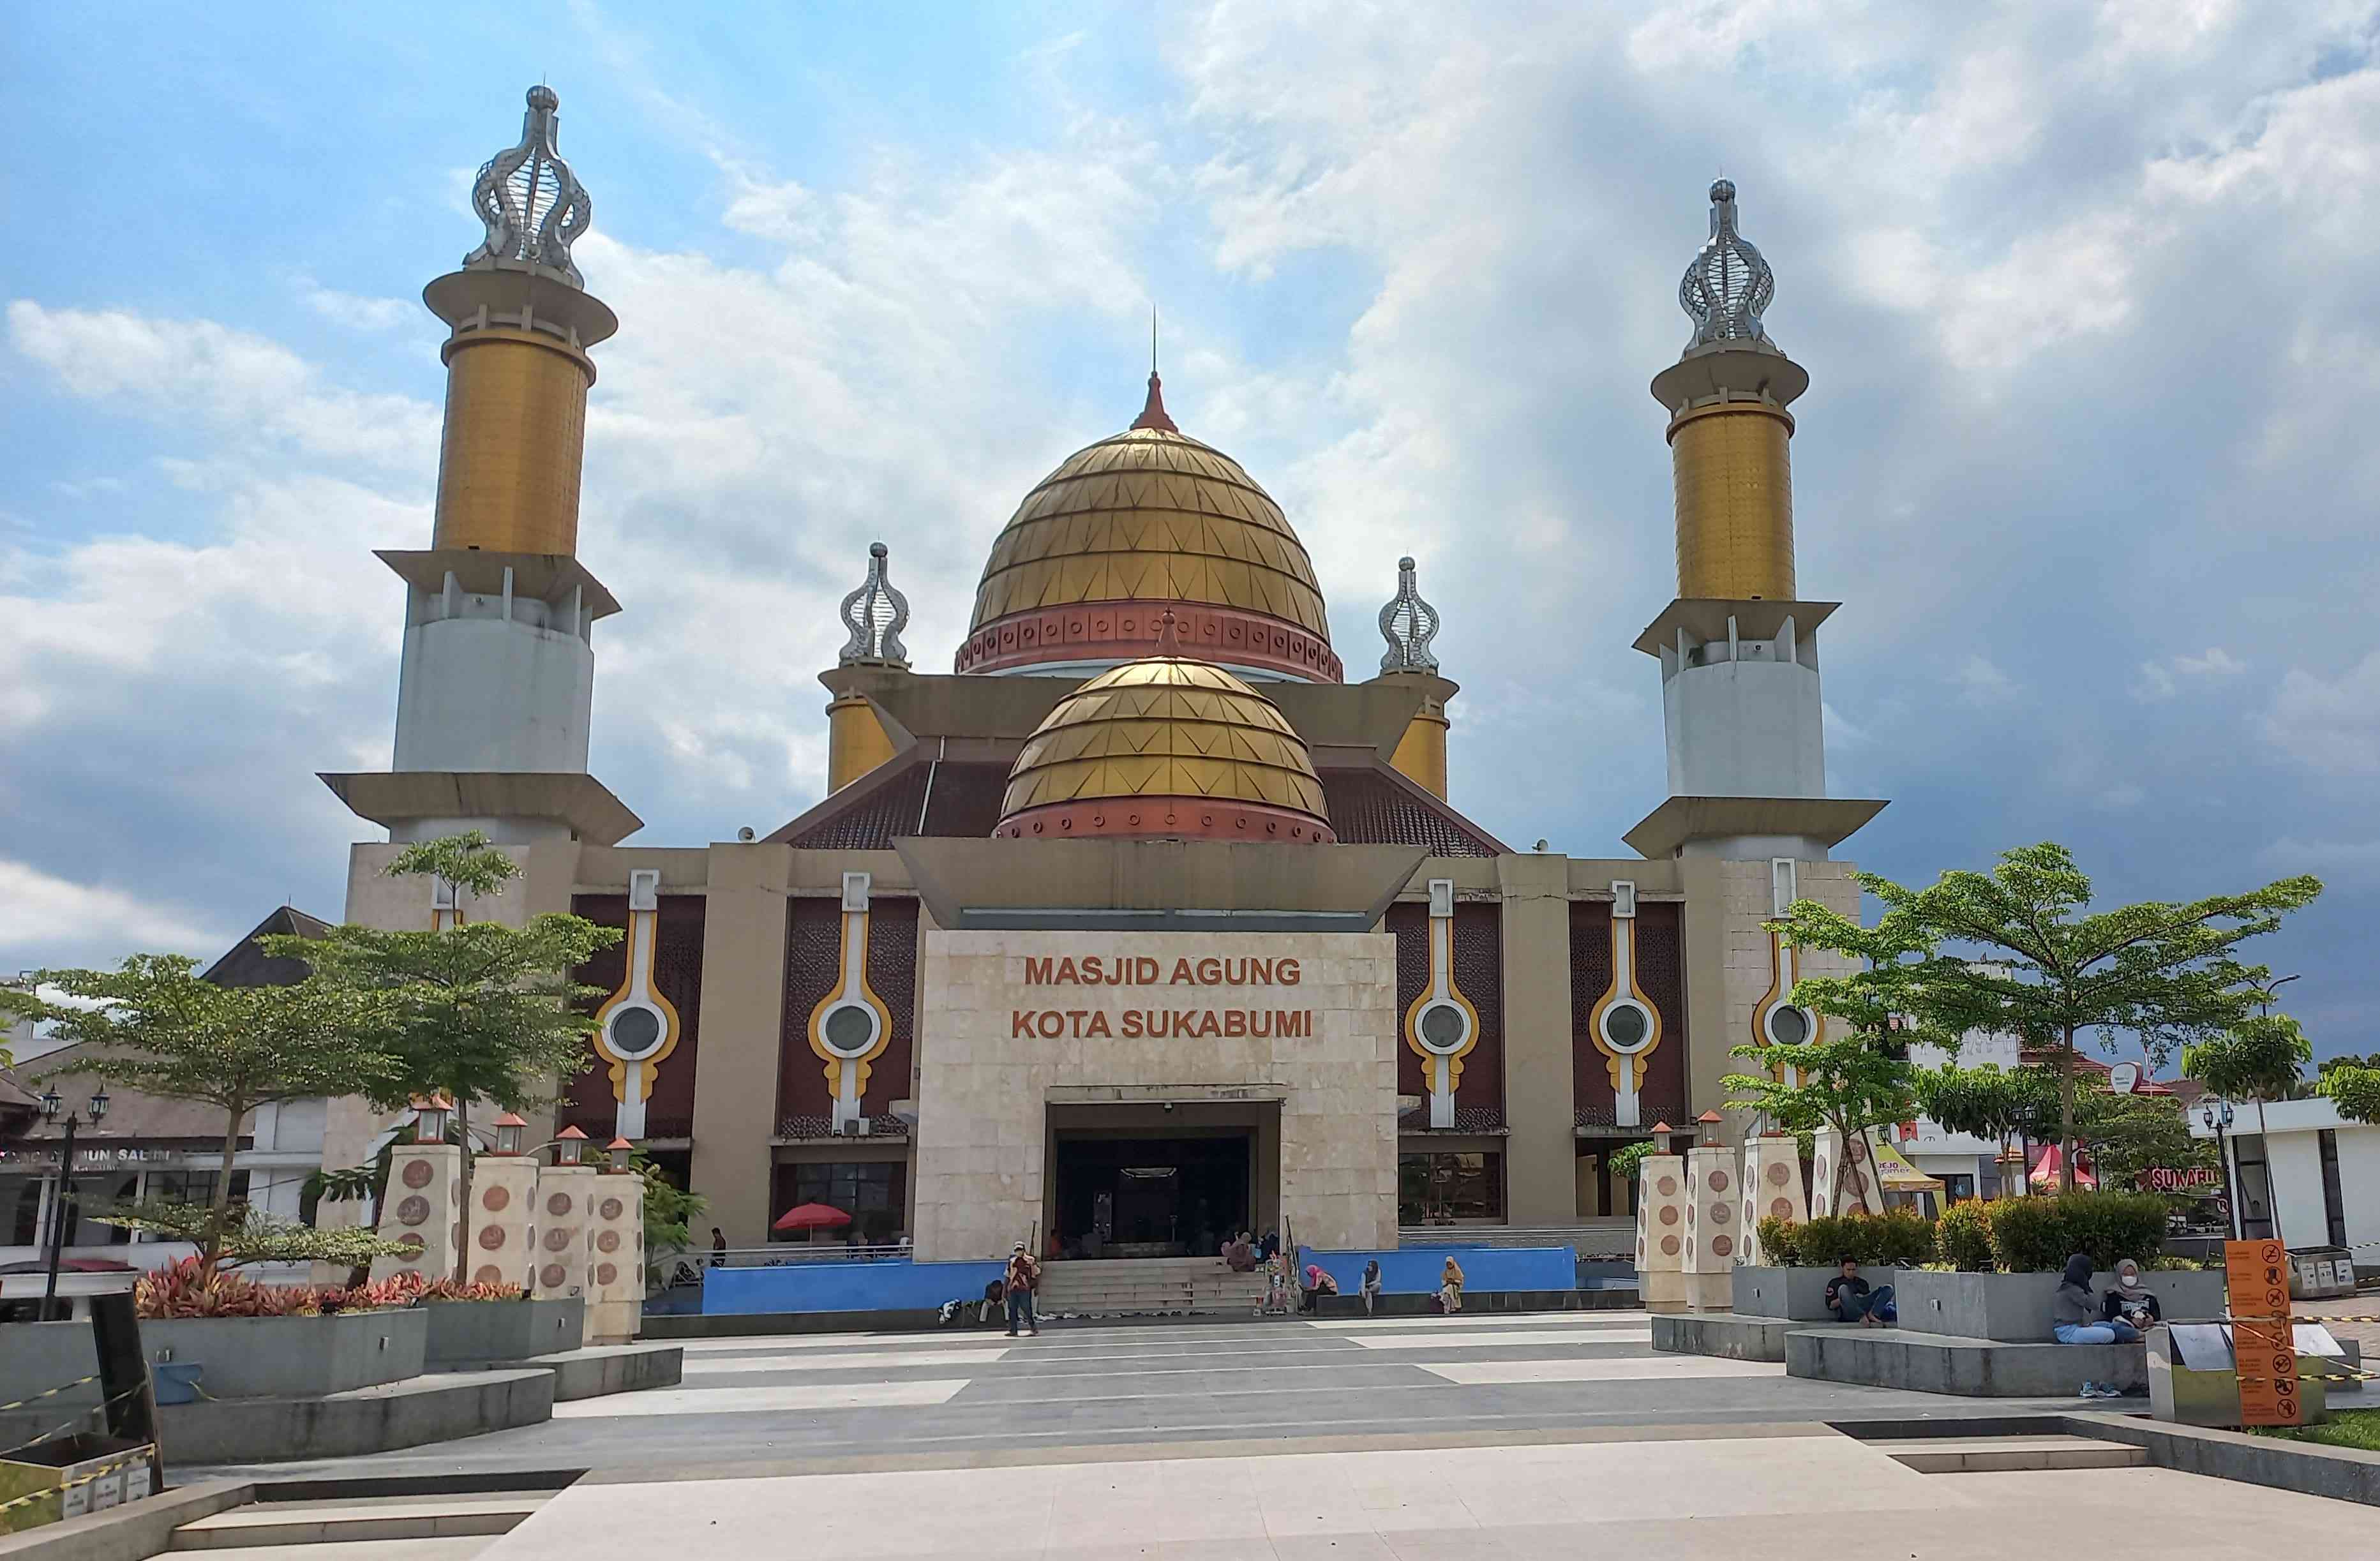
{"x": 1141, "y": 1180}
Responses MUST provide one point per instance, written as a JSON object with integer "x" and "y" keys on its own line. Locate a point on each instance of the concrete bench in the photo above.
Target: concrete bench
{"x": 1967, "y": 1368}
{"x": 1476, "y": 1302}
{"x": 1726, "y": 1335}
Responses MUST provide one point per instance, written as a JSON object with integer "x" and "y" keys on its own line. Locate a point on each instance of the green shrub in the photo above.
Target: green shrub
{"x": 1963, "y": 1237}
{"x": 1899, "y": 1239}
{"x": 1780, "y": 1242}
{"x": 2037, "y": 1235}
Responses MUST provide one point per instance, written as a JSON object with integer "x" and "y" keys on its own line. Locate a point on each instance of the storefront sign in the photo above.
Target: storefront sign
{"x": 2191, "y": 1179}
{"x": 96, "y": 1159}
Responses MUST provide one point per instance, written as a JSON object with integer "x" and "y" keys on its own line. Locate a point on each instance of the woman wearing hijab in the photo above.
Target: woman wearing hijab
{"x": 1450, "y": 1287}
{"x": 1371, "y": 1284}
{"x": 2131, "y": 1302}
{"x": 1317, "y": 1285}
{"x": 2074, "y": 1313}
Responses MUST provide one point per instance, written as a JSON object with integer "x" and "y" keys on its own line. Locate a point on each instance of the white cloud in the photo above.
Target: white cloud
{"x": 2329, "y": 725}
{"x": 356, "y": 312}
{"x": 1984, "y": 684}
{"x": 2354, "y": 863}
{"x": 2160, "y": 679}
{"x": 39, "y": 911}
{"x": 237, "y": 386}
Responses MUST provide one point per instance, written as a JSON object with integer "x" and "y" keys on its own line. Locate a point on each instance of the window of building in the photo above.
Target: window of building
{"x": 21, "y": 1206}
{"x": 2333, "y": 1201}
{"x": 874, "y": 1192}
{"x": 192, "y": 1186}
{"x": 1958, "y": 1189}
{"x": 2256, "y": 1194}
{"x": 1440, "y": 1186}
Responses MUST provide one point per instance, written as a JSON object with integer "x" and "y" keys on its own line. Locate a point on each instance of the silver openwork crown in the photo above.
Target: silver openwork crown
{"x": 1408, "y": 623}
{"x": 534, "y": 206}
{"x": 877, "y": 613}
{"x": 1729, "y": 285}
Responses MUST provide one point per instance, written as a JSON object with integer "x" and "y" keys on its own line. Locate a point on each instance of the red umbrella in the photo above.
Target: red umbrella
{"x": 812, "y": 1216}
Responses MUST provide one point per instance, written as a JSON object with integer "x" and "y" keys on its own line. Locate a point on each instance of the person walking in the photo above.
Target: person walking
{"x": 1024, "y": 1278}
{"x": 1371, "y": 1286}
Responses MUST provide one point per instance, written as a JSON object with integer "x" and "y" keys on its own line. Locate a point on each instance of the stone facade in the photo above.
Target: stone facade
{"x": 987, "y": 1068}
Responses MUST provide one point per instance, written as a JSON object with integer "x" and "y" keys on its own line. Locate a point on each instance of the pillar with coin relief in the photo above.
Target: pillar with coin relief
{"x": 422, "y": 1209}
{"x": 1772, "y": 1188}
{"x": 1661, "y": 1206}
{"x": 564, "y": 1196}
{"x": 505, "y": 1222}
{"x": 1860, "y": 1192}
{"x": 1714, "y": 1233}
{"x": 616, "y": 1257}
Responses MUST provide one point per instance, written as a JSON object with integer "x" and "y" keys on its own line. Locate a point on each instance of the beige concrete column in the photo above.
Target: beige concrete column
{"x": 1540, "y": 1156}
{"x": 743, "y": 1011}
{"x": 1704, "y": 934}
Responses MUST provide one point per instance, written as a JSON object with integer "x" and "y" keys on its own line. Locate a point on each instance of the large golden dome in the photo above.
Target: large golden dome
{"x": 1165, "y": 746}
{"x": 1147, "y": 520}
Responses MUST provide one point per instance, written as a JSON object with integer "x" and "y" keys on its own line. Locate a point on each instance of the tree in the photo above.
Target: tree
{"x": 670, "y": 1213}
{"x": 1850, "y": 1084}
{"x": 2257, "y": 1058}
{"x": 248, "y": 1235}
{"x": 156, "y": 1025}
{"x": 476, "y": 1012}
{"x": 2353, "y": 1083}
{"x": 1985, "y": 1102}
{"x": 2129, "y": 1135}
{"x": 2034, "y": 960}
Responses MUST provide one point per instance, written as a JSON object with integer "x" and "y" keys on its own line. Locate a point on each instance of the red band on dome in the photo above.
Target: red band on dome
{"x": 1204, "y": 818}
{"x": 1128, "y": 631}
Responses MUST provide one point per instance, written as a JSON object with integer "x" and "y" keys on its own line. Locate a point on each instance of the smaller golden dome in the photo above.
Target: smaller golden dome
{"x": 1165, "y": 746}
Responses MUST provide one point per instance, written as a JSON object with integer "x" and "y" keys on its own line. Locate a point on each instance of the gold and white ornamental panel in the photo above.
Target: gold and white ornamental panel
{"x": 1441, "y": 1025}
{"x": 637, "y": 1028}
{"x": 1625, "y": 1027}
{"x": 850, "y": 1027}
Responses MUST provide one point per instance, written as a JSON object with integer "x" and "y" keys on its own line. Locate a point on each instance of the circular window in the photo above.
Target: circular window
{"x": 1444, "y": 1027}
{"x": 636, "y": 1031}
{"x": 1627, "y": 1027}
{"x": 848, "y": 1029}
{"x": 1788, "y": 1025}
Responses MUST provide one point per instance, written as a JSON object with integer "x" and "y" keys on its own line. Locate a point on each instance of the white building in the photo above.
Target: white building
{"x": 2320, "y": 1172}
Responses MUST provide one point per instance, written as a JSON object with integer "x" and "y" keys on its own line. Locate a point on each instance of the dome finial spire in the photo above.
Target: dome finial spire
{"x": 1728, "y": 285}
{"x": 1152, "y": 412}
{"x": 876, "y": 613}
{"x": 1408, "y": 623}
{"x": 533, "y": 205}
{"x": 1169, "y": 639}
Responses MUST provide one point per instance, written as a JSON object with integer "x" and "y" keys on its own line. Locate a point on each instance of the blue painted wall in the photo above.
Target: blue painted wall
{"x": 1415, "y": 1270}
{"x": 895, "y": 1285}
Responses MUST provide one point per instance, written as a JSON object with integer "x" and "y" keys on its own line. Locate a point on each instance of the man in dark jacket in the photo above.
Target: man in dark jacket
{"x": 1852, "y": 1301}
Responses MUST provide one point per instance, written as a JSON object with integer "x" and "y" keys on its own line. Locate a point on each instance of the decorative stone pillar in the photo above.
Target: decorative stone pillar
{"x": 504, "y": 1226}
{"x": 1772, "y": 1188}
{"x": 422, "y": 1209}
{"x": 565, "y": 1195}
{"x": 1713, "y": 1231}
{"x": 1661, "y": 1206}
{"x": 616, "y": 1258}
{"x": 1861, "y": 1194}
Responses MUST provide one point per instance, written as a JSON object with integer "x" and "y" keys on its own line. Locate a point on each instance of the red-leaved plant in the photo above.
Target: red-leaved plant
{"x": 188, "y": 1288}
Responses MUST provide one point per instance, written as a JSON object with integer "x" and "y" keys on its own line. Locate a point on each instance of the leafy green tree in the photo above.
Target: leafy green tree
{"x": 1857, "y": 1081}
{"x": 2352, "y": 1085}
{"x": 2127, "y": 1134}
{"x": 2257, "y": 1058}
{"x": 476, "y": 1012}
{"x": 670, "y": 1213}
{"x": 2035, "y": 962}
{"x": 248, "y": 1235}
{"x": 156, "y": 1025}
{"x": 1987, "y": 1102}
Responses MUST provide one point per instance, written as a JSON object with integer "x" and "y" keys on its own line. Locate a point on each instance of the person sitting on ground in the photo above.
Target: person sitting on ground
{"x": 1269, "y": 1247}
{"x": 1371, "y": 1286}
{"x": 1450, "y": 1287}
{"x": 1851, "y": 1300}
{"x": 2129, "y": 1302}
{"x": 1241, "y": 1255}
{"x": 987, "y": 1309}
{"x": 1317, "y": 1285}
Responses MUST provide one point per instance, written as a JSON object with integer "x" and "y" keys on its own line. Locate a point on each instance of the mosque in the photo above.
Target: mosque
{"x": 1146, "y": 919}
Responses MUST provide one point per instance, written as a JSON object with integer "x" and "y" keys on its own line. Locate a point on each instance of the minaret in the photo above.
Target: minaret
{"x": 1409, "y": 623}
{"x": 497, "y": 683}
{"x": 1739, "y": 652}
{"x": 876, "y": 613}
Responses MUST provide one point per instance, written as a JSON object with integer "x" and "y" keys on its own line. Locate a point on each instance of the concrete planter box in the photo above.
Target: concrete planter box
{"x": 293, "y": 1357}
{"x": 479, "y": 1331}
{"x": 1800, "y": 1294}
{"x": 2015, "y": 1307}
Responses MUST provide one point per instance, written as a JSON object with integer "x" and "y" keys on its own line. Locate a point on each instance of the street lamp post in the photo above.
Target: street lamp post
{"x": 2216, "y": 1113}
{"x": 62, "y": 1206}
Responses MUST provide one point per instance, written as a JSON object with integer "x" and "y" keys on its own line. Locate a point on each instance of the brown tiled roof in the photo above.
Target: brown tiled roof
{"x": 131, "y": 1114}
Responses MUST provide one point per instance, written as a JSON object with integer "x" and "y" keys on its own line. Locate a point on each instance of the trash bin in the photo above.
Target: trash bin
{"x": 69, "y": 1476}
{"x": 2194, "y": 1379}
{"x": 176, "y": 1382}
{"x": 2321, "y": 1273}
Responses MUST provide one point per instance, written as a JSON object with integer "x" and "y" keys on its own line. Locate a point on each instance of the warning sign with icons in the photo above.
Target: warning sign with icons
{"x": 2263, "y": 1344}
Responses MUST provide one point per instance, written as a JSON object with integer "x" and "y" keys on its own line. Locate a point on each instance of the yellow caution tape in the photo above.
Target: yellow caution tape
{"x": 60, "y": 1489}
{"x": 50, "y": 1392}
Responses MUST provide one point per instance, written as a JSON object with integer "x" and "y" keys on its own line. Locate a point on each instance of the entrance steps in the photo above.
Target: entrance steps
{"x": 1129, "y": 1287}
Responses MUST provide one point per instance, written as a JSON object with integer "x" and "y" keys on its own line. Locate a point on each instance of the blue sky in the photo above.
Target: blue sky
{"x": 2086, "y": 295}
